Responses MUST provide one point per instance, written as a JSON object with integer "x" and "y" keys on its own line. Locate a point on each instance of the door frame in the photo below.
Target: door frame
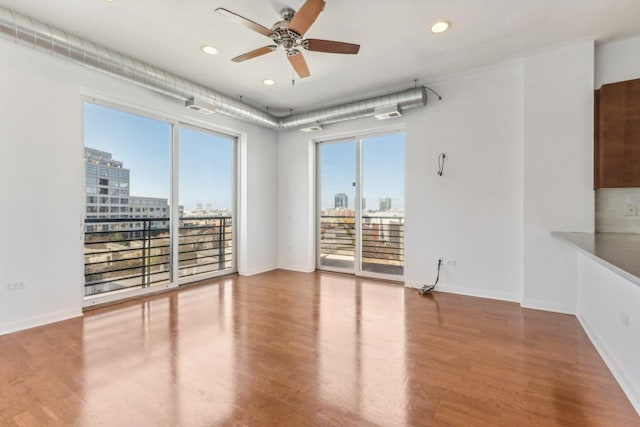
{"x": 175, "y": 122}
{"x": 358, "y": 138}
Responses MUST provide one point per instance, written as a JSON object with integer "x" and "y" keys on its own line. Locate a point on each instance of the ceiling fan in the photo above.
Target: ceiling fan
{"x": 289, "y": 34}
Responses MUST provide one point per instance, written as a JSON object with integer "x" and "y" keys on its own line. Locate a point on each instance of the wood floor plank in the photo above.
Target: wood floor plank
{"x": 285, "y": 348}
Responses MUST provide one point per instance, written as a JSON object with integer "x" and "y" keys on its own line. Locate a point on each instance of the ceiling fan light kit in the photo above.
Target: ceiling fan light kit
{"x": 288, "y": 34}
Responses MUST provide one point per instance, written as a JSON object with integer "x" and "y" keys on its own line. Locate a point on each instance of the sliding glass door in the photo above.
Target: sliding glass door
{"x": 206, "y": 203}
{"x": 382, "y": 218}
{"x": 159, "y": 199}
{"x": 337, "y": 201}
{"x": 360, "y": 188}
{"x": 127, "y": 165}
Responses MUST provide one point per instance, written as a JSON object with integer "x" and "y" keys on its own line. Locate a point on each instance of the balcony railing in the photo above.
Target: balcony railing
{"x": 136, "y": 253}
{"x": 382, "y": 242}
{"x": 205, "y": 245}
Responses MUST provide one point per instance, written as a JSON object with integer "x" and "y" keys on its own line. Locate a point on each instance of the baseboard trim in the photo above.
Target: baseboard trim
{"x": 254, "y": 271}
{"x": 33, "y": 322}
{"x": 298, "y": 268}
{"x": 467, "y": 292}
{"x": 545, "y": 306}
{"x": 627, "y": 385}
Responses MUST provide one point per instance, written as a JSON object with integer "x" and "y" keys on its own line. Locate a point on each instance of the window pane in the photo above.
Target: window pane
{"x": 206, "y": 202}
{"x": 383, "y": 204}
{"x": 337, "y": 168}
{"x": 126, "y": 255}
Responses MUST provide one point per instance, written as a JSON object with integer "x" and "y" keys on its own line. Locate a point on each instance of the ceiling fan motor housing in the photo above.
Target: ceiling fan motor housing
{"x": 282, "y": 35}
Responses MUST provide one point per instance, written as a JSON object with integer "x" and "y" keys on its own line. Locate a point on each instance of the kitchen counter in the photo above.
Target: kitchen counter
{"x": 619, "y": 252}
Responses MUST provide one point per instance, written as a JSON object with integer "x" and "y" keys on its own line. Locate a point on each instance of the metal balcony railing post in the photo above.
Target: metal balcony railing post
{"x": 223, "y": 225}
{"x": 144, "y": 246}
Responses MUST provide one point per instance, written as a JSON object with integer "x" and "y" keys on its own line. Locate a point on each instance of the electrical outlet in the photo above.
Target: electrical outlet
{"x": 14, "y": 286}
{"x": 451, "y": 262}
{"x": 624, "y": 318}
{"x": 630, "y": 210}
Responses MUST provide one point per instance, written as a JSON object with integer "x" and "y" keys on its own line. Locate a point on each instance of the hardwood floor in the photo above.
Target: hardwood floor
{"x": 285, "y": 348}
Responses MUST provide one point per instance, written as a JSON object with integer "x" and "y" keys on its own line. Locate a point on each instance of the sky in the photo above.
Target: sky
{"x": 144, "y": 147}
{"x": 206, "y": 161}
{"x": 382, "y": 170}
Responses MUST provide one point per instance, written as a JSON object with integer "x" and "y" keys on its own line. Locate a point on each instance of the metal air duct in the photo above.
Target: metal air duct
{"x": 37, "y": 35}
{"x": 42, "y": 37}
{"x": 416, "y": 97}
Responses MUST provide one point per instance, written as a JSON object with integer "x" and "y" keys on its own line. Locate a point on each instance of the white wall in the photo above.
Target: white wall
{"x": 518, "y": 139}
{"x": 41, "y": 192}
{"x": 604, "y": 298}
{"x": 41, "y": 184}
{"x": 617, "y": 61}
{"x": 296, "y": 202}
{"x": 558, "y": 170}
{"x": 472, "y": 214}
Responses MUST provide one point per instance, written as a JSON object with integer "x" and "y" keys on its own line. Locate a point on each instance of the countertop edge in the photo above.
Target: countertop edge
{"x": 564, "y": 236}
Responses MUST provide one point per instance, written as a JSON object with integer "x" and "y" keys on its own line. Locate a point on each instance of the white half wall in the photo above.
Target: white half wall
{"x": 608, "y": 311}
{"x": 558, "y": 170}
{"x": 42, "y": 189}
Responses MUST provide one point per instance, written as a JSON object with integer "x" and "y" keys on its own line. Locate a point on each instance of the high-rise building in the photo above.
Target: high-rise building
{"x": 149, "y": 207}
{"x": 107, "y": 193}
{"x": 385, "y": 204}
{"x": 341, "y": 200}
{"x": 106, "y": 185}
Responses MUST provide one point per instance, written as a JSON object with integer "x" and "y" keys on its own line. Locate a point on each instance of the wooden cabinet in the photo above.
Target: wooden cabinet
{"x": 617, "y": 135}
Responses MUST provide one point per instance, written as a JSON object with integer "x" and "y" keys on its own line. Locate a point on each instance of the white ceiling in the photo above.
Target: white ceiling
{"x": 396, "y": 44}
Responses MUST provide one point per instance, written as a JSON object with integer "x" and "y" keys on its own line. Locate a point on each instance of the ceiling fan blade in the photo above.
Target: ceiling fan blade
{"x": 255, "y": 53}
{"x": 244, "y": 21}
{"x": 298, "y": 63}
{"x": 316, "y": 45}
{"x": 306, "y": 16}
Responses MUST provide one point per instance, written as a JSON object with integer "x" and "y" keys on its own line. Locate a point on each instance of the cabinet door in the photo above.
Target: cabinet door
{"x": 618, "y": 140}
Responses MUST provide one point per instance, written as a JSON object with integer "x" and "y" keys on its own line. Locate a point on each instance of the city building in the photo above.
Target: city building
{"x": 107, "y": 188}
{"x": 149, "y": 207}
{"x": 385, "y": 204}
{"x": 341, "y": 201}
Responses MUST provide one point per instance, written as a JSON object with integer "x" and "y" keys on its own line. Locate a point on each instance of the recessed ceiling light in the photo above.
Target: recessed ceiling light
{"x": 110, "y": 1}
{"x": 269, "y": 82}
{"x": 209, "y": 50}
{"x": 440, "y": 27}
